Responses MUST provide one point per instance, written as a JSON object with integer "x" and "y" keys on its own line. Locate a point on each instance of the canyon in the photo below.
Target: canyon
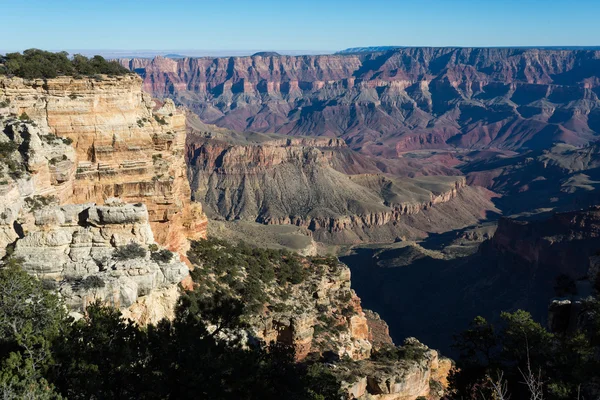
{"x": 321, "y": 185}
{"x": 413, "y": 153}
{"x": 386, "y": 103}
{"x": 96, "y": 203}
{"x": 446, "y": 179}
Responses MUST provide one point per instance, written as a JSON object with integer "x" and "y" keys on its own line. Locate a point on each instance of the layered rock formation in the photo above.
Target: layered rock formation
{"x": 562, "y": 243}
{"x": 318, "y": 184}
{"x": 406, "y": 379}
{"x": 126, "y": 146}
{"x": 321, "y": 314}
{"x": 77, "y": 246}
{"x": 321, "y": 317}
{"x": 392, "y": 101}
{"x": 562, "y": 178}
{"x": 303, "y": 302}
{"x": 68, "y": 146}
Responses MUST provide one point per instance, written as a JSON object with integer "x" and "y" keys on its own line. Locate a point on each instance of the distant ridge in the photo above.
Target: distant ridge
{"x": 266, "y": 54}
{"x": 379, "y": 49}
{"x": 370, "y": 49}
{"x": 174, "y": 56}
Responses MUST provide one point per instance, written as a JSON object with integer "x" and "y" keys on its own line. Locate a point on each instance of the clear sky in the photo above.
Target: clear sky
{"x": 317, "y": 25}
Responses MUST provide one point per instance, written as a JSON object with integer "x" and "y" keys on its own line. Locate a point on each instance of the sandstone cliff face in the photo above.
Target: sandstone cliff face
{"x": 316, "y": 311}
{"x": 300, "y": 182}
{"x": 319, "y": 314}
{"x": 319, "y": 297}
{"x": 74, "y": 246}
{"x": 410, "y": 379}
{"x": 126, "y": 146}
{"x": 386, "y": 103}
{"x": 68, "y": 146}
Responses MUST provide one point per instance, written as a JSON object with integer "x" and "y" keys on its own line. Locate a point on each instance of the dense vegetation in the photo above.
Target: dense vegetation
{"x": 198, "y": 355}
{"x": 520, "y": 359}
{"x": 34, "y": 63}
{"x": 244, "y": 271}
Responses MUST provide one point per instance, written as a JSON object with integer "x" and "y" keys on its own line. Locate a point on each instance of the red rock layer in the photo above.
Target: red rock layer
{"x": 391, "y": 102}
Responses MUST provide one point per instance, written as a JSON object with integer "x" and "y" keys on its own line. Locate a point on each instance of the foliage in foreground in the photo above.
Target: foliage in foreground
{"x": 520, "y": 359}
{"x": 198, "y": 355}
{"x": 34, "y": 63}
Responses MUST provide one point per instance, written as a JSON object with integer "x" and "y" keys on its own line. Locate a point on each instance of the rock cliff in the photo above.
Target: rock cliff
{"x": 561, "y": 243}
{"x": 81, "y": 249}
{"x": 307, "y": 303}
{"x": 318, "y": 184}
{"x": 126, "y": 145}
{"x": 421, "y": 375}
{"x": 389, "y": 102}
{"x": 67, "y": 146}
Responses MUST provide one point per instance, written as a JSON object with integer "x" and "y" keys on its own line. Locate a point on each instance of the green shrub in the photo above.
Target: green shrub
{"x": 34, "y": 63}
{"x": 392, "y": 353}
{"x": 7, "y": 149}
{"x": 130, "y": 251}
{"x": 92, "y": 282}
{"x": 38, "y": 202}
{"x": 160, "y": 120}
{"x": 162, "y": 256}
{"x": 24, "y": 117}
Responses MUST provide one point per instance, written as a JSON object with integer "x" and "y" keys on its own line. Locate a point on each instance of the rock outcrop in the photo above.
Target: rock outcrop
{"x": 309, "y": 183}
{"x": 320, "y": 298}
{"x": 69, "y": 145}
{"x": 79, "y": 246}
{"x": 312, "y": 308}
{"x": 392, "y": 101}
{"x": 316, "y": 311}
{"x": 403, "y": 379}
{"x": 126, "y": 145}
{"x": 560, "y": 244}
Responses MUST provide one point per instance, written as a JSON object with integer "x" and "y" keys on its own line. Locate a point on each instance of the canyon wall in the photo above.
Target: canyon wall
{"x": 69, "y": 147}
{"x": 559, "y": 244}
{"x": 310, "y": 183}
{"x": 389, "y": 102}
{"x": 126, "y": 145}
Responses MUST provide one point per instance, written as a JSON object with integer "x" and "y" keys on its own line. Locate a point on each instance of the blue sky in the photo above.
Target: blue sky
{"x": 316, "y": 25}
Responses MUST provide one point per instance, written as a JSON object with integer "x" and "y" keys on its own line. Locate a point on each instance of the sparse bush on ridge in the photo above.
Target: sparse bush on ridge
{"x": 130, "y": 251}
{"x": 92, "y": 282}
{"x": 162, "y": 256}
{"x": 34, "y": 64}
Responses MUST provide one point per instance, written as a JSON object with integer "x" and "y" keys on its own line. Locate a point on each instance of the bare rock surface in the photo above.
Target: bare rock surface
{"x": 315, "y": 184}
{"x": 388, "y": 102}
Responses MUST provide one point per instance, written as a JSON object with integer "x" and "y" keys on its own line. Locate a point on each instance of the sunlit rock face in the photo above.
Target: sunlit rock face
{"x": 88, "y": 166}
{"x": 126, "y": 145}
{"x": 389, "y": 102}
{"x": 76, "y": 246}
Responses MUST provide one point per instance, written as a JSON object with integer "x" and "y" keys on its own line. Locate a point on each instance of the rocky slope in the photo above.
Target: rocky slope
{"x": 561, "y": 243}
{"x": 562, "y": 178}
{"x": 321, "y": 185}
{"x": 307, "y": 303}
{"x": 389, "y": 102}
{"x": 67, "y": 147}
{"x": 125, "y": 145}
{"x": 78, "y": 249}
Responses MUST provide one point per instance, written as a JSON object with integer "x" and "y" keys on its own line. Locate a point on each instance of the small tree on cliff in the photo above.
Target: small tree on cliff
{"x": 31, "y": 318}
